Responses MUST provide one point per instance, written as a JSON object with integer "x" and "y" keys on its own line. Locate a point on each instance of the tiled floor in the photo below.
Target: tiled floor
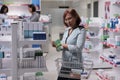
{"x": 52, "y": 70}
{"x": 52, "y": 56}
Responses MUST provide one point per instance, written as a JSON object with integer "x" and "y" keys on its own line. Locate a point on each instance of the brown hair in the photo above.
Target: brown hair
{"x": 74, "y": 14}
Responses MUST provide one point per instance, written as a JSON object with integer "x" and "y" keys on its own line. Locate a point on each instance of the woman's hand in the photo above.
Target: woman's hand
{"x": 64, "y": 45}
{"x": 52, "y": 42}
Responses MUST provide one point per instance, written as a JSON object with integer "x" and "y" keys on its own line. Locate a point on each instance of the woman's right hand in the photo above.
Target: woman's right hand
{"x": 52, "y": 42}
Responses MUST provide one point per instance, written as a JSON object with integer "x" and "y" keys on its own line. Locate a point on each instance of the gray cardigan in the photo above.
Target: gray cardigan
{"x": 35, "y": 17}
{"x": 75, "y": 43}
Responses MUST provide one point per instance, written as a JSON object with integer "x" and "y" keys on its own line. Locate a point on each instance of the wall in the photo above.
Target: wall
{"x": 101, "y": 11}
{"x": 47, "y": 5}
{"x": 16, "y": 7}
{"x": 18, "y": 10}
{"x": 51, "y": 7}
{"x": 81, "y": 7}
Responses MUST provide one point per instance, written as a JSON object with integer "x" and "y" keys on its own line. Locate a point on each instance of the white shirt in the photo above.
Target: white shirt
{"x": 3, "y": 16}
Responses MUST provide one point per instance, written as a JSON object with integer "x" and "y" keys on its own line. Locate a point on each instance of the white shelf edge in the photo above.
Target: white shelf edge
{"x": 25, "y": 70}
{"x": 6, "y": 71}
{"x": 30, "y": 42}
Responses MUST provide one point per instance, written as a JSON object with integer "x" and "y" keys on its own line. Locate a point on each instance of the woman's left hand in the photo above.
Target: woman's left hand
{"x": 64, "y": 45}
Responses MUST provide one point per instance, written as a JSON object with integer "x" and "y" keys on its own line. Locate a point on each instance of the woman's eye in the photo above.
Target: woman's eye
{"x": 68, "y": 19}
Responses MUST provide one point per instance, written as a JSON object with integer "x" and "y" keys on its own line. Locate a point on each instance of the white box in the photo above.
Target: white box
{"x": 40, "y": 26}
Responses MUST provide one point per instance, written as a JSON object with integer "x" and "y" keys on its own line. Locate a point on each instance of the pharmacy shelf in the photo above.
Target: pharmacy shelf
{"x": 30, "y": 49}
{"x": 6, "y": 71}
{"x": 101, "y": 77}
{"x": 22, "y": 71}
{"x": 15, "y": 45}
{"x": 5, "y": 32}
{"x": 97, "y": 63}
{"x": 109, "y": 61}
{"x": 110, "y": 45}
{"x": 101, "y": 66}
{"x": 94, "y": 26}
{"x": 18, "y": 44}
{"x": 89, "y": 50}
{"x": 106, "y": 75}
{"x": 5, "y": 50}
{"x": 93, "y": 37}
{"x": 30, "y": 42}
{"x": 114, "y": 30}
{"x": 5, "y": 39}
{"x": 111, "y": 30}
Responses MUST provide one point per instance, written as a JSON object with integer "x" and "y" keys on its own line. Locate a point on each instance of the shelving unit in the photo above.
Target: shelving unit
{"x": 94, "y": 45}
{"x": 111, "y": 55}
{"x": 16, "y": 43}
{"x": 116, "y": 67}
{"x": 108, "y": 61}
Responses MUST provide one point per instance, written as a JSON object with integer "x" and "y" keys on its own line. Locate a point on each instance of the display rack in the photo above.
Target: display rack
{"x": 16, "y": 43}
{"x": 94, "y": 46}
{"x": 111, "y": 55}
{"x": 116, "y": 66}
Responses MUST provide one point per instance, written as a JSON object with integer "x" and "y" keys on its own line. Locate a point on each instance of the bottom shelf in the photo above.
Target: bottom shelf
{"x": 108, "y": 75}
{"x": 98, "y": 65}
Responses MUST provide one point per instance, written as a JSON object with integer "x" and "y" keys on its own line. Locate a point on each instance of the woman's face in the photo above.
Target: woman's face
{"x": 30, "y": 9}
{"x": 70, "y": 20}
{"x": 5, "y": 10}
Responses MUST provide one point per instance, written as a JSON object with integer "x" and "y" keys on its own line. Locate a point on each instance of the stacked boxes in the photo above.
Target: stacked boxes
{"x": 38, "y": 36}
{"x": 29, "y": 28}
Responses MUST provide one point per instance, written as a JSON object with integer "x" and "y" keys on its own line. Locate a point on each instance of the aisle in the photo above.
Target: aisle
{"x": 52, "y": 55}
{"x": 50, "y": 61}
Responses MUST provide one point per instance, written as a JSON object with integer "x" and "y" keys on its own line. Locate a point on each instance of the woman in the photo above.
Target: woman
{"x": 3, "y": 12}
{"x": 35, "y": 16}
{"x": 72, "y": 42}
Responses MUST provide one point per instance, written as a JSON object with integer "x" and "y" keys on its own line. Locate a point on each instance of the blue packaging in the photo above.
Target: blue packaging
{"x": 26, "y": 33}
{"x": 39, "y": 35}
{"x": 1, "y": 54}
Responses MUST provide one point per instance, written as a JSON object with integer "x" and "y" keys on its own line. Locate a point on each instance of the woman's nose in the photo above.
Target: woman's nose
{"x": 68, "y": 21}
